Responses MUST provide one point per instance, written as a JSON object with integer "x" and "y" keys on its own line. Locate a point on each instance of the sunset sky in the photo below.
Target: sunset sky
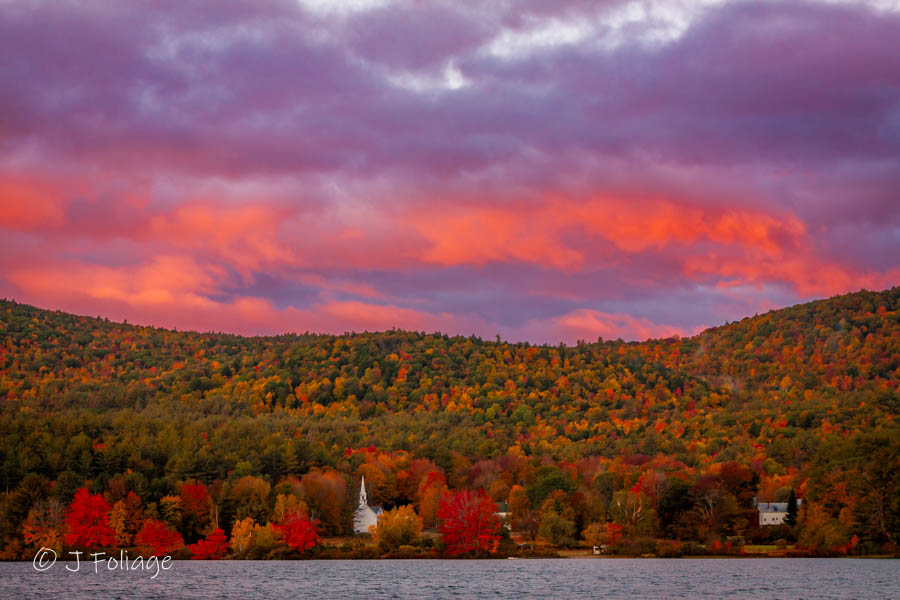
{"x": 545, "y": 171}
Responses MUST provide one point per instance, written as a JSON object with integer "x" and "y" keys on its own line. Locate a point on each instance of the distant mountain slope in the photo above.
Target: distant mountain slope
{"x": 828, "y": 364}
{"x": 804, "y": 397}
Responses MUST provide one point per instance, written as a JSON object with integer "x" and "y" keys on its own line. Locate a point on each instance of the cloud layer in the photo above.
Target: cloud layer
{"x": 546, "y": 171}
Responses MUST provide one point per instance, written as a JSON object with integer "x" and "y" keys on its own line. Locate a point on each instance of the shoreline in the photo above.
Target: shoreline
{"x": 567, "y": 556}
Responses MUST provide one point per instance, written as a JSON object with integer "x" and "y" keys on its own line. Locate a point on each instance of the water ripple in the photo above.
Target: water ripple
{"x": 647, "y": 579}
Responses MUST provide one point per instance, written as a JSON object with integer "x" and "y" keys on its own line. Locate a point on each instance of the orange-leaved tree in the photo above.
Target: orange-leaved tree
{"x": 46, "y": 524}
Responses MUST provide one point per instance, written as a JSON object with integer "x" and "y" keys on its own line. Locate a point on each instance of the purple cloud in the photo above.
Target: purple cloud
{"x": 492, "y": 166}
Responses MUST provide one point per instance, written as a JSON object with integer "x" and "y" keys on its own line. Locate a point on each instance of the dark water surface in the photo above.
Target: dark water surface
{"x": 560, "y": 578}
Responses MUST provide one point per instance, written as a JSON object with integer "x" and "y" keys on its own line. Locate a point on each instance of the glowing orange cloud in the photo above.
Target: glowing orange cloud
{"x": 537, "y": 234}
{"x": 186, "y": 255}
{"x": 591, "y": 324}
{"x": 806, "y": 273}
{"x": 175, "y": 292}
{"x": 28, "y": 204}
{"x": 478, "y": 236}
{"x": 164, "y": 281}
{"x": 638, "y": 225}
{"x": 247, "y": 236}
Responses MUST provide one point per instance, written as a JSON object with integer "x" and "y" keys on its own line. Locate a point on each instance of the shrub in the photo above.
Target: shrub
{"x": 636, "y": 547}
{"x": 668, "y": 549}
{"x": 692, "y": 549}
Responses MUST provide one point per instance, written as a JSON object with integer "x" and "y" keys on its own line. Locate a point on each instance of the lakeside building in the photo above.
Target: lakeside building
{"x": 773, "y": 513}
{"x": 504, "y": 514}
{"x": 365, "y": 516}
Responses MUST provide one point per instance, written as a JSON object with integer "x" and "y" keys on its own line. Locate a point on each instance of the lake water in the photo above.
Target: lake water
{"x": 556, "y": 578}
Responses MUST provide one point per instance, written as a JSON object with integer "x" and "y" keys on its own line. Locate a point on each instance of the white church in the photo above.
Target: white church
{"x": 365, "y": 516}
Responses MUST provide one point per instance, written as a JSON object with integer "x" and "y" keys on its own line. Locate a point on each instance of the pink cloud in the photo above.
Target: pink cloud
{"x": 29, "y": 204}
{"x": 175, "y": 292}
{"x": 165, "y": 282}
{"x": 590, "y": 324}
{"x": 247, "y": 236}
{"x": 238, "y": 169}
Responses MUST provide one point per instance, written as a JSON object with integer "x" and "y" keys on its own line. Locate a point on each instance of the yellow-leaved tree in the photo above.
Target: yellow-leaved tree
{"x": 286, "y": 504}
{"x": 242, "y": 535}
{"x": 398, "y": 527}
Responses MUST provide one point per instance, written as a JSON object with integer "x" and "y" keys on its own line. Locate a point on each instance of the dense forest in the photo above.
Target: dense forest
{"x": 660, "y": 446}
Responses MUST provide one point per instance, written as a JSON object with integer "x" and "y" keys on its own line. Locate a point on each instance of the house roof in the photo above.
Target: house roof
{"x": 775, "y": 506}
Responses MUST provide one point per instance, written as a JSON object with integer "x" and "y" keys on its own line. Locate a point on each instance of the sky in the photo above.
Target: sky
{"x": 546, "y": 171}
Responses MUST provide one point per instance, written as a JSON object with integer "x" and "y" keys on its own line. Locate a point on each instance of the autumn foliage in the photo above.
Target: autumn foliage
{"x": 195, "y": 505}
{"x": 213, "y": 547}
{"x": 298, "y": 532}
{"x": 468, "y": 523}
{"x": 667, "y": 439}
{"x": 88, "y": 521}
{"x": 158, "y": 539}
{"x": 397, "y": 527}
{"x": 125, "y": 518}
{"x": 598, "y": 534}
{"x": 46, "y": 525}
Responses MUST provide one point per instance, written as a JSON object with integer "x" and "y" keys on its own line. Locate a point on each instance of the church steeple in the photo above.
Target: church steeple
{"x": 363, "y": 500}
{"x": 365, "y": 517}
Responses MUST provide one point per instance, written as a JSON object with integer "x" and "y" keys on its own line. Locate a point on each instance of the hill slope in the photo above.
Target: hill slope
{"x": 89, "y": 400}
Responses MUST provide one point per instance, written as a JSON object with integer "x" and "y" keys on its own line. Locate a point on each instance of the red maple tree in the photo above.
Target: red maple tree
{"x": 88, "y": 521}
{"x": 158, "y": 538}
{"x": 468, "y": 522}
{"x": 195, "y": 499}
{"x": 298, "y": 531}
{"x": 613, "y": 534}
{"x": 213, "y": 547}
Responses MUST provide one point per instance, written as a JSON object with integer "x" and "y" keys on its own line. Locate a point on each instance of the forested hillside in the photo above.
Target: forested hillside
{"x": 626, "y": 442}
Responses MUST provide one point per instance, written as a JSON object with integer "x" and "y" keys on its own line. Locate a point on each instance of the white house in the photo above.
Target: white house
{"x": 773, "y": 513}
{"x": 504, "y": 514}
{"x": 365, "y": 516}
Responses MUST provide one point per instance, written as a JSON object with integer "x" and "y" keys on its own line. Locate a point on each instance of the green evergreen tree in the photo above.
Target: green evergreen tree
{"x": 791, "y": 518}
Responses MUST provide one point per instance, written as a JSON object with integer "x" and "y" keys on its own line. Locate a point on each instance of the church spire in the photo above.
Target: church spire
{"x": 363, "y": 500}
